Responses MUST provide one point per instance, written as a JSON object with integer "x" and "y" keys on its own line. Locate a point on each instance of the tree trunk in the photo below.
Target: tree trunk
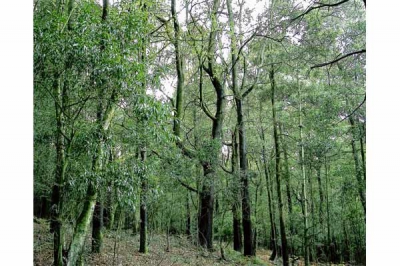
{"x": 285, "y": 255}
{"x": 188, "y": 220}
{"x": 287, "y": 174}
{"x": 61, "y": 98}
{"x": 56, "y": 197}
{"x": 179, "y": 71}
{"x": 237, "y": 229}
{"x": 97, "y": 236}
{"x": 288, "y": 189}
{"x": 304, "y": 194}
{"x": 273, "y": 244}
{"x": 328, "y": 218}
{"x": 210, "y": 167}
{"x": 246, "y": 209}
{"x": 82, "y": 226}
{"x": 321, "y": 195}
{"x": 362, "y": 149}
{"x": 84, "y": 219}
{"x": 97, "y": 228}
{"x": 143, "y": 206}
{"x": 358, "y": 169}
{"x": 206, "y": 208}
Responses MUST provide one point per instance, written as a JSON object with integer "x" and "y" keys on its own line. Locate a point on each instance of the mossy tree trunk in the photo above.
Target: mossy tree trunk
{"x": 104, "y": 117}
{"x": 97, "y": 232}
{"x": 56, "y": 198}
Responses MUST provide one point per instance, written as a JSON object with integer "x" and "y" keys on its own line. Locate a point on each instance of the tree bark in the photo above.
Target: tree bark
{"x": 287, "y": 174}
{"x": 304, "y": 184}
{"x": 246, "y": 209}
{"x": 358, "y": 169}
{"x": 210, "y": 167}
{"x": 97, "y": 228}
{"x": 362, "y": 149}
{"x": 273, "y": 238}
{"x": 104, "y": 118}
{"x": 188, "y": 216}
{"x": 143, "y": 206}
{"x": 237, "y": 229}
{"x": 321, "y": 194}
{"x": 285, "y": 254}
{"x": 179, "y": 71}
{"x": 206, "y": 208}
{"x": 82, "y": 226}
{"x": 61, "y": 98}
{"x": 56, "y": 198}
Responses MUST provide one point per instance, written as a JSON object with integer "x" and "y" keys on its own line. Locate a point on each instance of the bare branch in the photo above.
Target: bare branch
{"x": 187, "y": 186}
{"x": 226, "y": 170}
{"x": 340, "y": 58}
{"x": 358, "y": 107}
{"x": 202, "y": 105}
{"x": 320, "y": 5}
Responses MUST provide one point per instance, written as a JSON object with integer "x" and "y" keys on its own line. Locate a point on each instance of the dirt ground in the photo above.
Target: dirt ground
{"x": 121, "y": 249}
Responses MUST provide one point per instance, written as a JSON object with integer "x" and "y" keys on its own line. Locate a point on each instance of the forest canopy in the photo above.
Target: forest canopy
{"x": 236, "y": 129}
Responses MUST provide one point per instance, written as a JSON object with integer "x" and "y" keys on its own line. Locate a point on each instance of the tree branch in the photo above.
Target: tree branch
{"x": 320, "y": 5}
{"x": 358, "y": 107}
{"x": 226, "y": 170}
{"x": 187, "y": 186}
{"x": 340, "y": 58}
{"x": 202, "y": 105}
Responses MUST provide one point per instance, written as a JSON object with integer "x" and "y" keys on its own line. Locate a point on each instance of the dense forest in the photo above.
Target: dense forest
{"x": 199, "y": 132}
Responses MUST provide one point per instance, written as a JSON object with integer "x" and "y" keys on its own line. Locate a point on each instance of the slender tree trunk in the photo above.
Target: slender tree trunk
{"x": 83, "y": 222}
{"x": 358, "y": 169}
{"x": 273, "y": 238}
{"x": 143, "y": 206}
{"x": 188, "y": 216}
{"x": 237, "y": 229}
{"x": 206, "y": 208}
{"x": 288, "y": 189}
{"x": 109, "y": 206}
{"x": 210, "y": 167}
{"x": 321, "y": 195}
{"x": 271, "y": 211}
{"x": 285, "y": 255}
{"x": 246, "y": 209}
{"x": 61, "y": 99}
{"x": 179, "y": 71}
{"x": 287, "y": 174}
{"x": 304, "y": 190}
{"x": 362, "y": 149}
{"x": 82, "y": 226}
{"x": 328, "y": 218}
{"x": 56, "y": 198}
{"x": 312, "y": 234}
{"x": 97, "y": 232}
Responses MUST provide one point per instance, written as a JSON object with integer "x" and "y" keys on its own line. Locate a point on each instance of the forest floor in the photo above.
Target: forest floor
{"x": 121, "y": 249}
